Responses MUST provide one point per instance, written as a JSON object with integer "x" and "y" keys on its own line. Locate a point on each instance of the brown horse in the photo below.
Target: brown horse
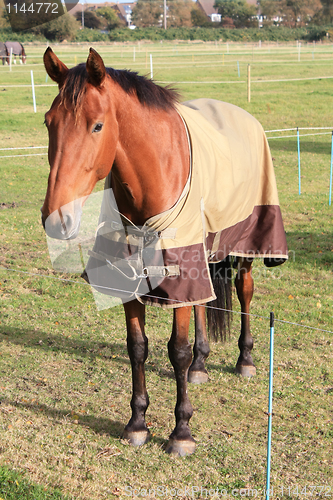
{"x": 105, "y": 119}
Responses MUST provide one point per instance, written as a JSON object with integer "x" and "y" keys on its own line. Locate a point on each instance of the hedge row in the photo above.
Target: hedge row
{"x": 8, "y": 34}
{"x": 276, "y": 34}
{"x": 212, "y": 34}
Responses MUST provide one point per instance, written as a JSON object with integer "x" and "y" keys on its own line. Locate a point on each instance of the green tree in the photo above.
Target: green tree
{"x": 296, "y": 7}
{"x": 92, "y": 20}
{"x": 29, "y": 18}
{"x": 4, "y": 20}
{"x": 270, "y": 9}
{"x": 110, "y": 16}
{"x": 147, "y": 13}
{"x": 63, "y": 28}
{"x": 327, "y": 11}
{"x": 179, "y": 13}
{"x": 199, "y": 18}
{"x": 238, "y": 10}
{"x": 298, "y": 12}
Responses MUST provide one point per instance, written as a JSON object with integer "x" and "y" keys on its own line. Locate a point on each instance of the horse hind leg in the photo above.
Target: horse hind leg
{"x": 244, "y": 287}
{"x": 197, "y": 372}
{"x": 181, "y": 441}
{"x": 136, "y": 431}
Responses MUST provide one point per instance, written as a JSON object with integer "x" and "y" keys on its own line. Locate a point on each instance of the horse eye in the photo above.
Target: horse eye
{"x": 98, "y": 127}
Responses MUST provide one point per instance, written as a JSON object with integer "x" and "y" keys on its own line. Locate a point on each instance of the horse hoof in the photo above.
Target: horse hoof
{"x": 246, "y": 370}
{"x": 180, "y": 448}
{"x": 137, "y": 438}
{"x": 196, "y": 377}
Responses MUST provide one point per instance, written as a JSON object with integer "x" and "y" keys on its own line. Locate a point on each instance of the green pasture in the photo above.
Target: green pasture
{"x": 64, "y": 373}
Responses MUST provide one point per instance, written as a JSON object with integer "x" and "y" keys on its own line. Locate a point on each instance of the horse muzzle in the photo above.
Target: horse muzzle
{"x": 62, "y": 224}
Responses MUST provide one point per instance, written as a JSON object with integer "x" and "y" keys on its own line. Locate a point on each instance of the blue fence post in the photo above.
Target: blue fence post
{"x": 238, "y": 69}
{"x": 331, "y": 174}
{"x": 270, "y": 405}
{"x": 299, "y": 163}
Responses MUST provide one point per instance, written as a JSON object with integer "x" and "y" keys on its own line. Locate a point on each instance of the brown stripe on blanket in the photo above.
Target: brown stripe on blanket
{"x": 261, "y": 232}
{"x": 192, "y": 286}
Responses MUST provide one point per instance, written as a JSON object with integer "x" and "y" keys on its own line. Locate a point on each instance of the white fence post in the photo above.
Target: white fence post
{"x": 33, "y": 91}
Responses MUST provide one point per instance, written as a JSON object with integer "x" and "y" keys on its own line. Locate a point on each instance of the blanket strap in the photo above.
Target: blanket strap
{"x": 124, "y": 265}
{"x": 169, "y": 233}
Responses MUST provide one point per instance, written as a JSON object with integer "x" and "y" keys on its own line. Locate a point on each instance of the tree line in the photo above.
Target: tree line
{"x": 185, "y": 14}
{"x": 234, "y": 13}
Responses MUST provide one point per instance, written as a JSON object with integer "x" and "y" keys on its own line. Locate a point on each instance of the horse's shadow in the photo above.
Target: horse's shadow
{"x": 224, "y": 368}
{"x": 306, "y": 146}
{"x": 81, "y": 348}
{"x": 97, "y": 424}
{"x": 87, "y": 349}
{"x": 47, "y": 342}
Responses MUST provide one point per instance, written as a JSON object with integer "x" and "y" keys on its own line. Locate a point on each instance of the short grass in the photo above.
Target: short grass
{"x": 65, "y": 376}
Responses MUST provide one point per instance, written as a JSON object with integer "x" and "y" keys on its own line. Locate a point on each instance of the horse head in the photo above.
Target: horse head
{"x": 83, "y": 136}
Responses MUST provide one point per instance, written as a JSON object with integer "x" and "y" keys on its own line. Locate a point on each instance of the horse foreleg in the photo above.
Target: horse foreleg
{"x": 244, "y": 287}
{"x": 197, "y": 373}
{"x": 136, "y": 430}
{"x": 181, "y": 441}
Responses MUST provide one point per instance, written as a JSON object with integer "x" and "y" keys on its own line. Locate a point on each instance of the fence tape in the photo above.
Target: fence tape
{"x": 303, "y": 135}
{"x": 24, "y": 147}
{"x": 23, "y": 156}
{"x": 266, "y": 132}
{"x": 153, "y": 297}
{"x": 201, "y": 83}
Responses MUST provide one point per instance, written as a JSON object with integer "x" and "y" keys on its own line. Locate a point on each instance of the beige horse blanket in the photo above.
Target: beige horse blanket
{"x": 229, "y": 206}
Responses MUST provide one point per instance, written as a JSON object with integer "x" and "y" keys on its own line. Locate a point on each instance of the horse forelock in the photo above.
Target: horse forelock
{"x": 74, "y": 88}
{"x": 148, "y": 93}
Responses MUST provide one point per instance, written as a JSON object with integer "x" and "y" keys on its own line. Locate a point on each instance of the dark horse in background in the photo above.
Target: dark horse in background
{"x": 102, "y": 119}
{"x": 3, "y": 52}
{"x": 14, "y": 48}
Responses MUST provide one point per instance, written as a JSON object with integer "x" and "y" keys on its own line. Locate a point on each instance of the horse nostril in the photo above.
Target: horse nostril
{"x": 66, "y": 224}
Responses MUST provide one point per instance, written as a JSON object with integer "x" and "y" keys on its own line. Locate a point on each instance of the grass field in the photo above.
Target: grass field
{"x": 64, "y": 373}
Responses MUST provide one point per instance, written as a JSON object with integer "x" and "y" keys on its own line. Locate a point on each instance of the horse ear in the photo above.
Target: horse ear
{"x": 54, "y": 67}
{"x": 95, "y": 68}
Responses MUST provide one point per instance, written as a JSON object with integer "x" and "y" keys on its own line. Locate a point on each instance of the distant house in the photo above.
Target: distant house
{"x": 124, "y": 12}
{"x": 207, "y": 7}
{"x": 73, "y": 8}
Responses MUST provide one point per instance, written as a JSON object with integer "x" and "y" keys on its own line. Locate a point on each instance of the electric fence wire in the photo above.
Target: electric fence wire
{"x": 39, "y": 275}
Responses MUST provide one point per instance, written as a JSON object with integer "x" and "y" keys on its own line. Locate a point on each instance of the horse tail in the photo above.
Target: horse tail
{"x": 7, "y": 55}
{"x": 218, "y": 311}
{"x": 23, "y": 54}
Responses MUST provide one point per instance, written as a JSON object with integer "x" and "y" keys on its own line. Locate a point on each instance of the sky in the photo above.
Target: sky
{"x": 103, "y": 1}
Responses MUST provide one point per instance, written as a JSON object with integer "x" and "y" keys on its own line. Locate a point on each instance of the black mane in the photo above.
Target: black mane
{"x": 148, "y": 93}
